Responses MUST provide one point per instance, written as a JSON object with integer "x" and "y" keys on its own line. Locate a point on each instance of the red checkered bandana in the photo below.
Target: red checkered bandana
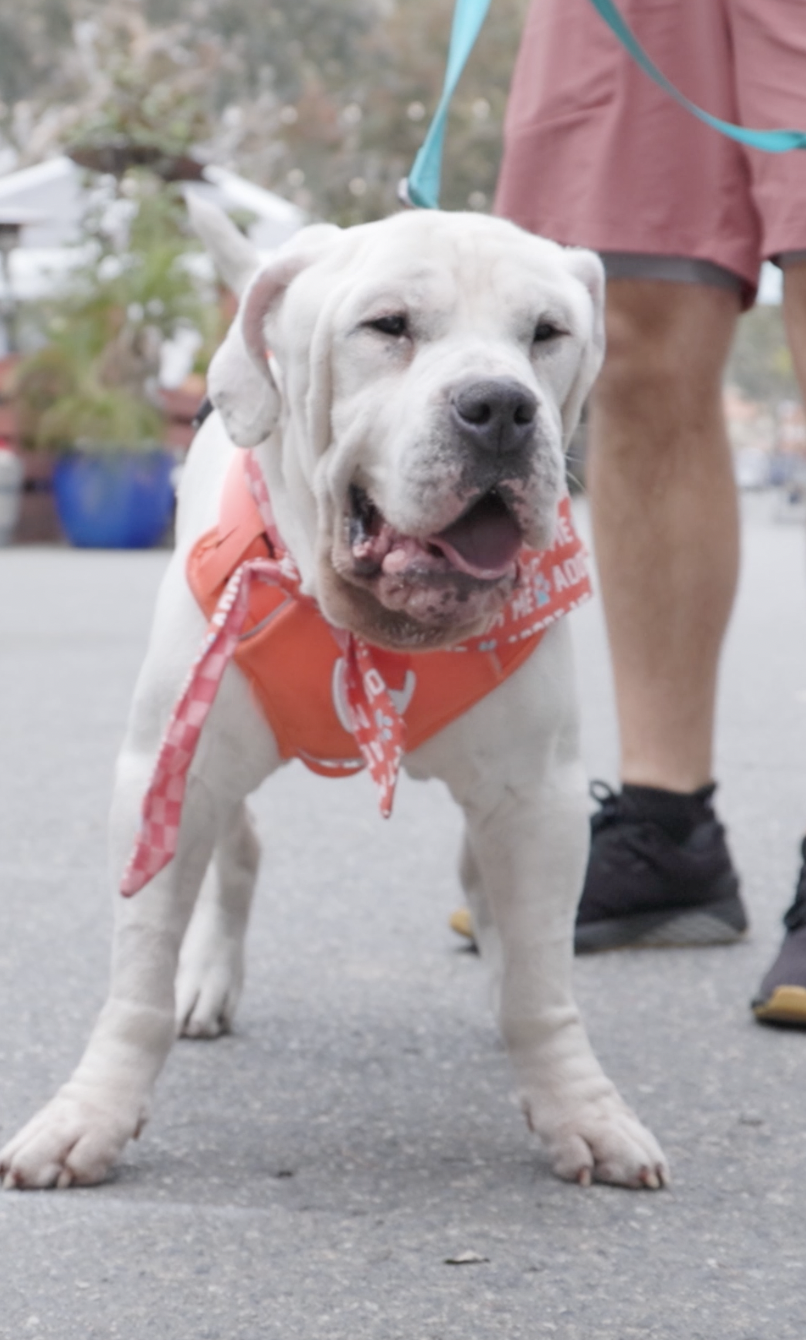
{"x": 378, "y": 727}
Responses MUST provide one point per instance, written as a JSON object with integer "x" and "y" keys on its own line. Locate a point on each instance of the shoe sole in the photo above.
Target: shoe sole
{"x": 719, "y": 923}
{"x": 723, "y": 922}
{"x": 461, "y": 922}
{"x": 786, "y": 1005}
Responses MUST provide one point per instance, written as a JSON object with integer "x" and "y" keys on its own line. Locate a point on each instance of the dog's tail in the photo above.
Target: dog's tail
{"x": 235, "y": 258}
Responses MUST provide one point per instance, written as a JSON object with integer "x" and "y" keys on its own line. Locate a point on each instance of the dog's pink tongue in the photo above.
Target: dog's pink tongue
{"x": 484, "y": 542}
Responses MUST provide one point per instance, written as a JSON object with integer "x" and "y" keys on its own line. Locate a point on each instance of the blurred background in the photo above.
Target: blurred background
{"x": 282, "y": 113}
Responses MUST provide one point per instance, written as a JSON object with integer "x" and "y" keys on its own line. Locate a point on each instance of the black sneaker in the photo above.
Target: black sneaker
{"x": 781, "y": 997}
{"x": 659, "y": 873}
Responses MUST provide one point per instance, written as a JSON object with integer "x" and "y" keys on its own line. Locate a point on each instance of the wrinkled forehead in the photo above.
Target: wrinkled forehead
{"x": 486, "y": 274}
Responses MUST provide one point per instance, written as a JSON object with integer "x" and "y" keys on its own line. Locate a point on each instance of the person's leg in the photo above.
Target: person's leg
{"x": 666, "y": 537}
{"x": 631, "y": 174}
{"x": 781, "y": 997}
{"x": 665, "y": 520}
{"x": 795, "y": 316}
{"x": 769, "y": 51}
{"x": 665, "y": 523}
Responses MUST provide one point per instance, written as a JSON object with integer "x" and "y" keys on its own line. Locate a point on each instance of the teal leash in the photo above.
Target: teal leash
{"x": 771, "y": 141}
{"x": 421, "y": 187}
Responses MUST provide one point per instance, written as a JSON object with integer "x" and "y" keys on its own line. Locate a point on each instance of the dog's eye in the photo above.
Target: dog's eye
{"x": 395, "y": 325}
{"x": 545, "y": 330}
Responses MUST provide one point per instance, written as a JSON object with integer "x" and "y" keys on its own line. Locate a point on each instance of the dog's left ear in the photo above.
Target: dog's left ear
{"x": 239, "y": 381}
{"x": 588, "y": 269}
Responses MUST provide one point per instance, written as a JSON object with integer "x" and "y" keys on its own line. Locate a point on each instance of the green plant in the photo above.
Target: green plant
{"x": 324, "y": 102}
{"x": 94, "y": 382}
{"x": 100, "y": 418}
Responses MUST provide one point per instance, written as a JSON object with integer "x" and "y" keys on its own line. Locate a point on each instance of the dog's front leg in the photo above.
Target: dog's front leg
{"x": 512, "y": 762}
{"x": 79, "y": 1134}
{"x": 527, "y": 847}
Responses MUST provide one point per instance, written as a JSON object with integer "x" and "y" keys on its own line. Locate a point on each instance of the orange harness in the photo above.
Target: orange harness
{"x": 294, "y": 659}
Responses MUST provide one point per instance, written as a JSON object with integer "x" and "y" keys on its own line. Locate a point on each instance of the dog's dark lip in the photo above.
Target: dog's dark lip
{"x": 480, "y": 545}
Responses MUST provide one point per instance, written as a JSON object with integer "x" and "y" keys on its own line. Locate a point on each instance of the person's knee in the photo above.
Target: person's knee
{"x": 639, "y": 371}
{"x": 795, "y": 286}
{"x": 666, "y": 349}
{"x": 795, "y": 315}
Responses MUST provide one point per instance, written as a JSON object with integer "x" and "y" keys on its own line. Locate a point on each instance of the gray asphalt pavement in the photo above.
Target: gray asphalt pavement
{"x": 309, "y": 1175}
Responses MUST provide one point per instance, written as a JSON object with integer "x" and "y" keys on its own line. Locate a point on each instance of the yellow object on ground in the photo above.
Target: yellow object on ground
{"x": 786, "y": 1005}
{"x": 462, "y": 922}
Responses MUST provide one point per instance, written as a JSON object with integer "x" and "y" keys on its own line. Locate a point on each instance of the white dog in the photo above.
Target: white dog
{"x": 424, "y": 375}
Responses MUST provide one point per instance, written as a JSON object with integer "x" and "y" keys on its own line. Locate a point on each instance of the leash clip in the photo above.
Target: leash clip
{"x": 403, "y": 194}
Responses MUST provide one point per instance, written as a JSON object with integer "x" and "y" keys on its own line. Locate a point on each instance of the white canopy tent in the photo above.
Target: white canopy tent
{"x": 49, "y": 201}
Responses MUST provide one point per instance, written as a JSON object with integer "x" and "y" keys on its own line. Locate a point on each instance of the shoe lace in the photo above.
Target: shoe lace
{"x": 611, "y": 806}
{"x": 640, "y": 835}
{"x": 638, "y": 838}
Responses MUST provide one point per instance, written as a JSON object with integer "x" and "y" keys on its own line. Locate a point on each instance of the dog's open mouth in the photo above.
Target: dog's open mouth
{"x": 403, "y": 590}
{"x": 482, "y": 543}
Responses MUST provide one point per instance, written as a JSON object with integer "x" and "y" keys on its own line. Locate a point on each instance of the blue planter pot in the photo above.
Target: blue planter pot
{"x": 121, "y": 500}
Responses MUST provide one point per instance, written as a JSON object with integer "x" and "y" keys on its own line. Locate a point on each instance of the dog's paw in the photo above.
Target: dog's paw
{"x": 72, "y": 1141}
{"x": 604, "y": 1141}
{"x": 208, "y": 988}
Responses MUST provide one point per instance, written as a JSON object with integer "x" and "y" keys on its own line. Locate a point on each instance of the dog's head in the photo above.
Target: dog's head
{"x": 411, "y": 386}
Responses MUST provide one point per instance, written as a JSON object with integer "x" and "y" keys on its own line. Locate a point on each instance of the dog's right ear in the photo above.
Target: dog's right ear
{"x": 240, "y": 381}
{"x": 234, "y": 256}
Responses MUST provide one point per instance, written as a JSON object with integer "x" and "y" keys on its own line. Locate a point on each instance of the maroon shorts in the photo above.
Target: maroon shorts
{"x": 597, "y": 155}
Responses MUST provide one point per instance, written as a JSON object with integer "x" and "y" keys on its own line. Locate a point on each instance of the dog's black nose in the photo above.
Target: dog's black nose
{"x": 496, "y": 415}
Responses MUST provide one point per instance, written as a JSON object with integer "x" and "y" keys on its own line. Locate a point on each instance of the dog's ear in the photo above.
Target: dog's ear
{"x": 588, "y": 269}
{"x": 234, "y": 256}
{"x": 240, "y": 380}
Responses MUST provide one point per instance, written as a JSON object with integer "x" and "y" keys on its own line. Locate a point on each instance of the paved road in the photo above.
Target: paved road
{"x": 308, "y": 1176}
